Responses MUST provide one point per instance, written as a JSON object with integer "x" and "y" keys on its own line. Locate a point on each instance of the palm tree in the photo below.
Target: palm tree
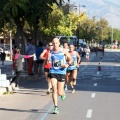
{"x": 15, "y": 9}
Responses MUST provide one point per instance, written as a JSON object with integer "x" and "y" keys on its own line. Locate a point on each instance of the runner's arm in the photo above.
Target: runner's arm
{"x": 89, "y": 50}
{"x": 78, "y": 58}
{"x": 69, "y": 57}
{"x": 42, "y": 55}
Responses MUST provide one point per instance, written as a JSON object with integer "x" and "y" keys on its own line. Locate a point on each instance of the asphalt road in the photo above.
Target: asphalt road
{"x": 97, "y": 95}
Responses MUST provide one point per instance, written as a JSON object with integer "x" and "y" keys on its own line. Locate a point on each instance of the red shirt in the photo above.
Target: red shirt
{"x": 46, "y": 64}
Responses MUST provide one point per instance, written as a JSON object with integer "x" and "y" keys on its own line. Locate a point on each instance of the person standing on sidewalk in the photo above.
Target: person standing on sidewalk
{"x": 72, "y": 69}
{"x": 47, "y": 65}
{"x": 58, "y": 71}
{"x": 3, "y": 56}
{"x": 39, "y": 61}
{"x": 13, "y": 56}
{"x": 18, "y": 67}
{"x": 30, "y": 50}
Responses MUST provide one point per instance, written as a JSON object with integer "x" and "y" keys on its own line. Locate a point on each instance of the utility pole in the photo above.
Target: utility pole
{"x": 111, "y": 38}
{"x": 78, "y": 33}
{"x": 10, "y": 44}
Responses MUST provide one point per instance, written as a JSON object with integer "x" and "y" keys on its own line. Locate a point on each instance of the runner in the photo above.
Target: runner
{"x": 66, "y": 46}
{"x": 58, "y": 71}
{"x": 103, "y": 51}
{"x": 72, "y": 69}
{"x": 47, "y": 65}
{"x": 96, "y": 50}
{"x": 87, "y": 51}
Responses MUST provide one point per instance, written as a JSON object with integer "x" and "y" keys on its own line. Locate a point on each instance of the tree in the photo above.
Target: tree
{"x": 116, "y": 34}
{"x": 87, "y": 30}
{"x": 15, "y": 10}
{"x": 102, "y": 29}
{"x": 94, "y": 30}
{"x": 60, "y": 24}
{"x": 38, "y": 10}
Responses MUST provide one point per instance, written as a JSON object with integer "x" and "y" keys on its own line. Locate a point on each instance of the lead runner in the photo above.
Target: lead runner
{"x": 58, "y": 71}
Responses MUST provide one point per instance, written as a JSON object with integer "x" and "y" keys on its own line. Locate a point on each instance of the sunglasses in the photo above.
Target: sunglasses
{"x": 50, "y": 45}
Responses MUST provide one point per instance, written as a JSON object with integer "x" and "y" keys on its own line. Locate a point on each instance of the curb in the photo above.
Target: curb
{"x": 11, "y": 87}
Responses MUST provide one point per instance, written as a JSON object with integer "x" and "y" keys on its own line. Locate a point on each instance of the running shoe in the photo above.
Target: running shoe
{"x": 74, "y": 82}
{"x": 16, "y": 89}
{"x": 73, "y": 90}
{"x": 65, "y": 87}
{"x": 56, "y": 110}
{"x": 63, "y": 97}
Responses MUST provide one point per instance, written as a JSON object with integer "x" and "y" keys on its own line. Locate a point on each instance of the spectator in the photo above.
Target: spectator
{"x": 39, "y": 62}
{"x": 18, "y": 67}
{"x": 30, "y": 50}
{"x": 3, "y": 56}
{"x": 13, "y": 55}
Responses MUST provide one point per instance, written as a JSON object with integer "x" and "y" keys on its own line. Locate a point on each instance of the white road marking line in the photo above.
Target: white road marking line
{"x": 95, "y": 84}
{"x": 89, "y": 113}
{"x": 109, "y": 59}
{"x": 116, "y": 58}
{"x": 93, "y": 95}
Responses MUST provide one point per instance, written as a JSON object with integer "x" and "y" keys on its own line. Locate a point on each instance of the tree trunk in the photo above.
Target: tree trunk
{"x": 19, "y": 38}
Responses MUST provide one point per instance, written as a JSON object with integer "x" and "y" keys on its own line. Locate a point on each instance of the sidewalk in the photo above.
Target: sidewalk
{"x": 7, "y": 69}
{"x": 113, "y": 50}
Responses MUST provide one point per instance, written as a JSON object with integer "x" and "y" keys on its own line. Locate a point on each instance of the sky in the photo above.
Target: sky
{"x": 108, "y": 9}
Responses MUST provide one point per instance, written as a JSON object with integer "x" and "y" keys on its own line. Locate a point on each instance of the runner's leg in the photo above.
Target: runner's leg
{"x": 74, "y": 74}
{"x": 61, "y": 88}
{"x": 71, "y": 82}
{"x": 54, "y": 93}
{"x": 49, "y": 82}
{"x": 66, "y": 80}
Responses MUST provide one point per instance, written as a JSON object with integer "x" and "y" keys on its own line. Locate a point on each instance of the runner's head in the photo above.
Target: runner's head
{"x": 72, "y": 47}
{"x": 50, "y": 45}
{"x": 56, "y": 43}
{"x": 66, "y": 45}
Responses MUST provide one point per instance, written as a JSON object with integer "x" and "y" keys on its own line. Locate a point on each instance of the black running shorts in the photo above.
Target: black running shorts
{"x": 59, "y": 77}
{"x": 46, "y": 70}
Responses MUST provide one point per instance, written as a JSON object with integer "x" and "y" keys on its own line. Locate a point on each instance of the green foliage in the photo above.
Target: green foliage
{"x": 60, "y": 23}
{"x": 91, "y": 29}
{"x": 116, "y": 34}
{"x": 14, "y": 7}
{"x": 52, "y": 19}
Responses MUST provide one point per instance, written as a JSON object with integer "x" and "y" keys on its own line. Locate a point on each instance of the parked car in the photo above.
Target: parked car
{"x": 7, "y": 46}
{"x": 7, "y": 52}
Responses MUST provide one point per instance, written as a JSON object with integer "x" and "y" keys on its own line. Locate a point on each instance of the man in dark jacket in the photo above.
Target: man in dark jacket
{"x": 30, "y": 50}
{"x": 3, "y": 55}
